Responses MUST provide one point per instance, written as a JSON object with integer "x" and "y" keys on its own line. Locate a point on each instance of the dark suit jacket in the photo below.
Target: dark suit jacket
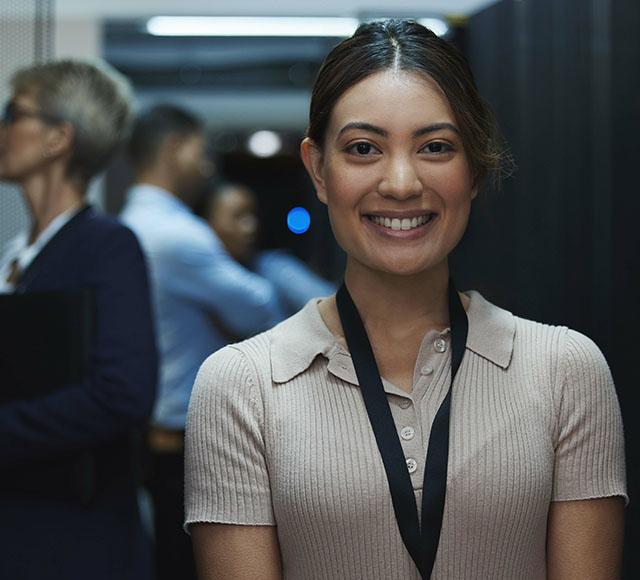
{"x": 44, "y": 538}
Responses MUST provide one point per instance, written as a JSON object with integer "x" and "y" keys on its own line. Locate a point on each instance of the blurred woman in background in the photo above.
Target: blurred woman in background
{"x": 231, "y": 209}
{"x": 68, "y": 495}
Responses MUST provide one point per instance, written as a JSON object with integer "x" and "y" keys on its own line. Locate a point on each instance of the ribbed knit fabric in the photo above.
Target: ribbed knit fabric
{"x": 278, "y": 434}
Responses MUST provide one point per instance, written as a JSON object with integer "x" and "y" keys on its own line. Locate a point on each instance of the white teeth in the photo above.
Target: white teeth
{"x": 397, "y": 224}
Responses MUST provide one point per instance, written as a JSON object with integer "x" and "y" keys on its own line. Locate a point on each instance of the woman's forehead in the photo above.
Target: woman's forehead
{"x": 393, "y": 98}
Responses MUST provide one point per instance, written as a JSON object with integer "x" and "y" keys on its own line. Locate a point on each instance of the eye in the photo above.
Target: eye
{"x": 362, "y": 149}
{"x": 437, "y": 148}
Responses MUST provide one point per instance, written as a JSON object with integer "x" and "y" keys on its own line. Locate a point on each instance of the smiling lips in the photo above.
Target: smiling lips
{"x": 397, "y": 224}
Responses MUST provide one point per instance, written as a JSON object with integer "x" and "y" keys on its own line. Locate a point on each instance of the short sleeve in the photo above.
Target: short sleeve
{"x": 226, "y": 478}
{"x": 589, "y": 445}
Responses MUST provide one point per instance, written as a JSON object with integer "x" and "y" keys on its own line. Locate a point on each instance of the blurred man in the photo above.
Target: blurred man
{"x": 194, "y": 281}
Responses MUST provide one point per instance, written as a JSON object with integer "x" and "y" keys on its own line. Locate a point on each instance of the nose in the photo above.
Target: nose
{"x": 400, "y": 179}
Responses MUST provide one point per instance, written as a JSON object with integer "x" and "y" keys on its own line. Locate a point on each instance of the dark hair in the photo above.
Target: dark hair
{"x": 153, "y": 126}
{"x": 204, "y": 204}
{"x": 409, "y": 46}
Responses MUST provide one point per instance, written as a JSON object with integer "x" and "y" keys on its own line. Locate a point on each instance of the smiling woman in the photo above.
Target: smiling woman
{"x": 382, "y": 166}
{"x": 403, "y": 429}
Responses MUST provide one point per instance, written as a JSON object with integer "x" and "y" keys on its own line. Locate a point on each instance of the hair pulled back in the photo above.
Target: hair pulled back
{"x": 408, "y": 46}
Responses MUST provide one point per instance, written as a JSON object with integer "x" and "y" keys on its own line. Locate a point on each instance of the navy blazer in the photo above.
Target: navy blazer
{"x": 51, "y": 539}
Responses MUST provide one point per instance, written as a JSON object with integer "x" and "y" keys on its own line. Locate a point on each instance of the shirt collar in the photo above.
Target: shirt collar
{"x": 147, "y": 194}
{"x": 19, "y": 248}
{"x": 300, "y": 339}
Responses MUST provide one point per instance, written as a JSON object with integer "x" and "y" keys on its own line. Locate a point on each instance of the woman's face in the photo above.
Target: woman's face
{"x": 393, "y": 173}
{"x": 233, "y": 216}
{"x": 27, "y": 142}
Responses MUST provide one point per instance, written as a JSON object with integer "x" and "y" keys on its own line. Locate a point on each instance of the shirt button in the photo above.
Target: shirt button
{"x": 426, "y": 370}
{"x": 405, "y": 404}
{"x": 407, "y": 433}
{"x": 412, "y": 465}
{"x": 440, "y": 344}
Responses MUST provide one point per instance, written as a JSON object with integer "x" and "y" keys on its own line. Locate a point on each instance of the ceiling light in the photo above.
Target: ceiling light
{"x": 317, "y": 26}
{"x": 436, "y": 25}
{"x": 251, "y": 26}
{"x": 264, "y": 143}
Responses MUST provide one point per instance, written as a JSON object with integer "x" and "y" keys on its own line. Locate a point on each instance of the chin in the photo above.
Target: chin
{"x": 402, "y": 268}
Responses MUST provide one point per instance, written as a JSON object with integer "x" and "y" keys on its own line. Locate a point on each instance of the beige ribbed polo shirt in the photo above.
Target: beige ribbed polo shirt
{"x": 278, "y": 434}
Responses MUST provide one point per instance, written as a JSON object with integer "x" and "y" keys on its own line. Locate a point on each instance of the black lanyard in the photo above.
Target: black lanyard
{"x": 420, "y": 538}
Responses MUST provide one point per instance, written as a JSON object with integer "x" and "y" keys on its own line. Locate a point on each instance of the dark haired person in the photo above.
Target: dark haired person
{"x": 231, "y": 209}
{"x": 403, "y": 429}
{"x": 68, "y": 493}
{"x": 200, "y": 296}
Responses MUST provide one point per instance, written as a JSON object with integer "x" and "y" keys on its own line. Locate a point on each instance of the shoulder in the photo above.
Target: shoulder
{"x": 246, "y": 359}
{"x": 582, "y": 360}
{"x": 514, "y": 341}
{"x": 569, "y": 359}
{"x": 106, "y": 230}
{"x": 274, "y": 356}
{"x": 563, "y": 344}
{"x": 92, "y": 239}
{"x": 228, "y": 379}
{"x": 172, "y": 233}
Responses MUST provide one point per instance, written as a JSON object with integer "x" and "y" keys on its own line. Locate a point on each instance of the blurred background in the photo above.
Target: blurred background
{"x": 559, "y": 243}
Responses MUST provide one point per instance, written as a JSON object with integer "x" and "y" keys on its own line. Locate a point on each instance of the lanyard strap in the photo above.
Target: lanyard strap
{"x": 420, "y": 538}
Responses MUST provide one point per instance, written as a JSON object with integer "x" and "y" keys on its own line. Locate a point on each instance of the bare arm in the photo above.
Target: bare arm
{"x": 584, "y": 539}
{"x": 230, "y": 552}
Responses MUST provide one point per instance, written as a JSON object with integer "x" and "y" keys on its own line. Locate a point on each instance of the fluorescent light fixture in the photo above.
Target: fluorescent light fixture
{"x": 264, "y": 143}
{"x": 250, "y": 26}
{"x": 320, "y": 26}
{"x": 437, "y": 25}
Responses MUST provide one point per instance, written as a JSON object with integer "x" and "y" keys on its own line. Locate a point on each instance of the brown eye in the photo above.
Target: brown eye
{"x": 362, "y": 149}
{"x": 438, "y": 148}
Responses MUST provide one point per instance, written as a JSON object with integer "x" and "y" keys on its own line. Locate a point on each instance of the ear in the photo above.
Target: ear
{"x": 59, "y": 140}
{"x": 313, "y": 161}
{"x": 474, "y": 191}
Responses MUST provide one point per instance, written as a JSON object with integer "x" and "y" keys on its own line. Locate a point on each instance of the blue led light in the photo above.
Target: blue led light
{"x": 298, "y": 220}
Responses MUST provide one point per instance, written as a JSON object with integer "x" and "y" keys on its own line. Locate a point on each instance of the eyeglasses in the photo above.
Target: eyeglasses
{"x": 12, "y": 113}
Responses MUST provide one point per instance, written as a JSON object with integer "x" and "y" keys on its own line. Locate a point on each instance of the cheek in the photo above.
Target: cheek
{"x": 346, "y": 185}
{"x": 22, "y": 151}
{"x": 454, "y": 185}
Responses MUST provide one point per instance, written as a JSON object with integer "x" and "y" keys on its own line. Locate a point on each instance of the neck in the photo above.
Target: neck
{"x": 400, "y": 304}
{"x": 47, "y": 196}
{"x": 158, "y": 178}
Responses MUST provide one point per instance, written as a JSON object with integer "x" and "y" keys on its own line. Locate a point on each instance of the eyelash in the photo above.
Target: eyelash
{"x": 447, "y": 148}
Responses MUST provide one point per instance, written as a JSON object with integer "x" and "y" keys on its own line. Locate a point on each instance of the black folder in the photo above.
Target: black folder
{"x": 45, "y": 341}
{"x": 45, "y": 344}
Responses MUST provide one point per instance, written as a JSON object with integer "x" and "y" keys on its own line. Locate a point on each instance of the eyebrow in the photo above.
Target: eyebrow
{"x": 379, "y": 131}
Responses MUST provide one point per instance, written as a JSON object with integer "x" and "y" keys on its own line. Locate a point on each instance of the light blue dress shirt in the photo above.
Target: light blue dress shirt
{"x": 198, "y": 289}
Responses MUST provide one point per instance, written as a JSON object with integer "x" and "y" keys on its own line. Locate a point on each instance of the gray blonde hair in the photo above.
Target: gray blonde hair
{"x": 90, "y": 95}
